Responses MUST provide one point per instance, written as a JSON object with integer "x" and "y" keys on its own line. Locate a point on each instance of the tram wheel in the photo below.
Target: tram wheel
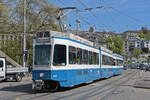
{"x": 51, "y": 86}
{"x": 54, "y": 87}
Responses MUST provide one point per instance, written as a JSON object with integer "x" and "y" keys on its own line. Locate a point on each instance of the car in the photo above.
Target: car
{"x": 147, "y": 68}
{"x": 142, "y": 67}
{"x": 125, "y": 67}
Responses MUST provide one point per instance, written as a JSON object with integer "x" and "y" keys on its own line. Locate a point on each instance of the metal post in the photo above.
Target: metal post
{"x": 24, "y": 35}
{"x": 77, "y": 28}
{"x": 60, "y": 24}
{"x": 77, "y": 23}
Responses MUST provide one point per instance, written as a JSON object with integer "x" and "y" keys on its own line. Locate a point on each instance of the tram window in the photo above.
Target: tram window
{"x": 94, "y": 58}
{"x": 111, "y": 61}
{"x": 85, "y": 57}
{"x": 97, "y": 59}
{"x": 106, "y": 60}
{"x": 114, "y": 63}
{"x": 90, "y": 57}
{"x": 39, "y": 34}
{"x": 42, "y": 54}
{"x": 59, "y": 55}
{"x": 72, "y": 55}
{"x": 79, "y": 55}
{"x": 46, "y": 34}
{"x": 119, "y": 62}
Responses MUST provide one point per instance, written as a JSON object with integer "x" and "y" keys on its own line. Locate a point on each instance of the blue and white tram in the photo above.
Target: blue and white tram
{"x": 107, "y": 64}
{"x": 61, "y": 61}
{"x": 118, "y": 68}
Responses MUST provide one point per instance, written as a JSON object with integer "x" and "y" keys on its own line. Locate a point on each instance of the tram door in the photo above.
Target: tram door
{"x": 60, "y": 60}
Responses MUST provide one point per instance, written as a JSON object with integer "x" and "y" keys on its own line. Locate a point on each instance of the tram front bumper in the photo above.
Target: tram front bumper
{"x": 37, "y": 84}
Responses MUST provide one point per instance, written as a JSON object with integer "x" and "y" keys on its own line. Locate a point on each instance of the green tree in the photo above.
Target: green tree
{"x": 40, "y": 14}
{"x": 4, "y": 16}
{"x": 13, "y": 48}
{"x": 91, "y": 29}
{"x": 148, "y": 60}
{"x": 145, "y": 36}
{"x": 144, "y": 29}
{"x": 115, "y": 44}
{"x": 136, "y": 53}
{"x": 109, "y": 43}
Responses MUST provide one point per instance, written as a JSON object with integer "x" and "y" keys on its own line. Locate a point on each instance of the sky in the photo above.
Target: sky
{"x": 113, "y": 15}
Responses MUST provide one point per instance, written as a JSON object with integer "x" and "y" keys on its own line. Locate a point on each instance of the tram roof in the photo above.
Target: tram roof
{"x": 76, "y": 38}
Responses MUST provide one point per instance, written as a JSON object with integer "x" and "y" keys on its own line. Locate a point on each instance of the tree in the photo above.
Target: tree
{"x": 4, "y": 16}
{"x": 13, "y": 49}
{"x": 40, "y": 15}
{"x": 144, "y": 29}
{"x": 145, "y": 36}
{"x": 136, "y": 53}
{"x": 115, "y": 44}
{"x": 91, "y": 29}
{"x": 148, "y": 60}
{"x": 110, "y": 44}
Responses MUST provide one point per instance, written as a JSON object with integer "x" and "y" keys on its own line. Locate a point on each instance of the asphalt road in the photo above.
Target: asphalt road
{"x": 115, "y": 88}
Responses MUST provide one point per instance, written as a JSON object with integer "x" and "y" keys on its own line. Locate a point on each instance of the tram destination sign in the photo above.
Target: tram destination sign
{"x": 43, "y": 37}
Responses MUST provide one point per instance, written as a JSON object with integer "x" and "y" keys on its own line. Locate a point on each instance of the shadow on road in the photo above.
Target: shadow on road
{"x": 25, "y": 88}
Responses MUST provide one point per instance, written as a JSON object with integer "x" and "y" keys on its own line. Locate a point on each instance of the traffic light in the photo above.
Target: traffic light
{"x": 25, "y": 53}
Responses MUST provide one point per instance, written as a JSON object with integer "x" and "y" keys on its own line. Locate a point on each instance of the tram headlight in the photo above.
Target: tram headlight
{"x": 41, "y": 74}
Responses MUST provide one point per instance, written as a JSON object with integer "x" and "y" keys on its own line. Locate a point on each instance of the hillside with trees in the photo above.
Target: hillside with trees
{"x": 40, "y": 15}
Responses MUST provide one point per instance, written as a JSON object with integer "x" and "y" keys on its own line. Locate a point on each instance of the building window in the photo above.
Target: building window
{"x": 147, "y": 42}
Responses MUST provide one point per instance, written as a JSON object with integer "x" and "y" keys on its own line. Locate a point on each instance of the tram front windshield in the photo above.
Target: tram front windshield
{"x": 42, "y": 54}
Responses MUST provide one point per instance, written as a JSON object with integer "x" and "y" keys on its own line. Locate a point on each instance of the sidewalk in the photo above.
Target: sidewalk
{"x": 143, "y": 80}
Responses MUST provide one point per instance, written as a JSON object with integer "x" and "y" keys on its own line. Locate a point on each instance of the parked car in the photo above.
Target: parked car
{"x": 147, "y": 68}
{"x": 142, "y": 67}
{"x": 125, "y": 67}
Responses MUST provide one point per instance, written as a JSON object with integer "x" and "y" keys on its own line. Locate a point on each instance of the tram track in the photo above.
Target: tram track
{"x": 87, "y": 92}
{"x": 116, "y": 87}
{"x": 112, "y": 88}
